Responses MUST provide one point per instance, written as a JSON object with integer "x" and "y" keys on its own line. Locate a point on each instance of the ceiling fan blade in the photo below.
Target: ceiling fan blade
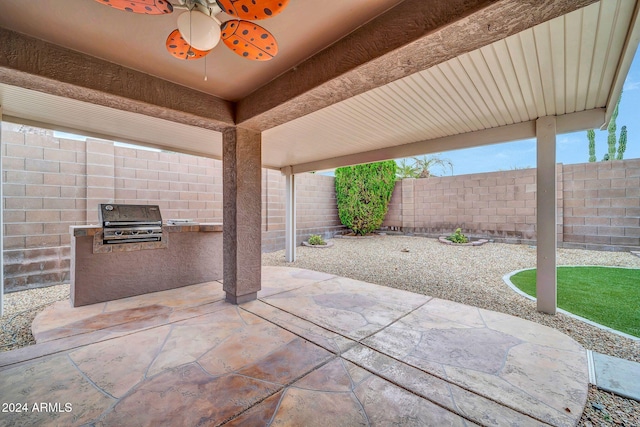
{"x": 252, "y": 9}
{"x": 249, "y": 40}
{"x": 180, "y": 49}
{"x": 148, "y": 7}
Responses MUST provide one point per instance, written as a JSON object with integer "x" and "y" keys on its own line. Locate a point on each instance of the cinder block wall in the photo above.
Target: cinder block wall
{"x": 185, "y": 187}
{"x": 52, "y": 183}
{"x": 602, "y": 205}
{"x": 316, "y": 211}
{"x": 44, "y": 193}
{"x": 498, "y": 204}
{"x": 598, "y": 205}
{"x": 393, "y": 219}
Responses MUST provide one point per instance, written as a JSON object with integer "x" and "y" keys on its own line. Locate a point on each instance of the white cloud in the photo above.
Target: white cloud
{"x": 630, "y": 85}
{"x": 572, "y": 140}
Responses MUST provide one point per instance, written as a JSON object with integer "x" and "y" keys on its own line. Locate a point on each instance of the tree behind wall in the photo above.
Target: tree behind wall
{"x": 591, "y": 136}
{"x": 407, "y": 170}
{"x": 426, "y": 164}
{"x": 611, "y": 139}
{"x": 622, "y": 144}
{"x": 363, "y": 193}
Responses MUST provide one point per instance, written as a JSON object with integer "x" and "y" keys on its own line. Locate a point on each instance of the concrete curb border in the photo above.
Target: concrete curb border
{"x": 507, "y": 279}
{"x": 592, "y": 367}
{"x": 325, "y": 246}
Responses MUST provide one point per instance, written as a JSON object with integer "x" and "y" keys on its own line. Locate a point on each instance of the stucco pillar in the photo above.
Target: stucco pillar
{"x": 290, "y": 216}
{"x": 546, "y": 280}
{"x": 242, "y": 197}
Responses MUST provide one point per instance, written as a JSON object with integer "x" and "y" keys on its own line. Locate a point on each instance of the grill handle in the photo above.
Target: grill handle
{"x": 120, "y": 223}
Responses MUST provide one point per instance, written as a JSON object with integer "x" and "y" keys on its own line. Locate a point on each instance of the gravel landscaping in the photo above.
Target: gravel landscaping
{"x": 470, "y": 274}
{"x": 20, "y": 308}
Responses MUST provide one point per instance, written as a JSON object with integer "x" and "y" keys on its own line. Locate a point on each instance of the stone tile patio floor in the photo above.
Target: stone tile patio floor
{"x": 314, "y": 349}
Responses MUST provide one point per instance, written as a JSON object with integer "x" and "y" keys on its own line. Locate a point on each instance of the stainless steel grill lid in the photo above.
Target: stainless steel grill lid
{"x": 130, "y": 223}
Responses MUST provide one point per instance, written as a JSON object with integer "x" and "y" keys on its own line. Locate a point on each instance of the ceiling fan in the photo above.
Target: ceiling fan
{"x": 199, "y": 30}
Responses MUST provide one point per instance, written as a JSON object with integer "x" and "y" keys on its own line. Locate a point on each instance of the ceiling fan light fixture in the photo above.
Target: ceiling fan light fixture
{"x": 199, "y": 29}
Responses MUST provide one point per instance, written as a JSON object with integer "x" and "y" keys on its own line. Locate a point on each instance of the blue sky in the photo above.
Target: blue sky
{"x": 571, "y": 147}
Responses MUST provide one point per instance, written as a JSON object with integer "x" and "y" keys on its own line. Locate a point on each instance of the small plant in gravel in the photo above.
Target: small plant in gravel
{"x": 458, "y": 237}
{"x": 316, "y": 239}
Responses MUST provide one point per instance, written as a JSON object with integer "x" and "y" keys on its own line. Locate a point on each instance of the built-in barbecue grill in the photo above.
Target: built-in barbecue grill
{"x": 130, "y": 223}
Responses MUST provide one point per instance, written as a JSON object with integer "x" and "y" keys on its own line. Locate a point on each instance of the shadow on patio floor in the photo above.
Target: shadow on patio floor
{"x": 314, "y": 349}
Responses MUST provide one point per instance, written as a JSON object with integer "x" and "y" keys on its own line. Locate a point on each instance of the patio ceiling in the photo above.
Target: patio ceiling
{"x": 347, "y": 88}
{"x": 570, "y": 64}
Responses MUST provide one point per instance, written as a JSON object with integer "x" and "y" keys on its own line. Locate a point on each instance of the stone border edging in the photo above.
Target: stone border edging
{"x": 479, "y": 242}
{"x": 507, "y": 279}
{"x": 309, "y": 245}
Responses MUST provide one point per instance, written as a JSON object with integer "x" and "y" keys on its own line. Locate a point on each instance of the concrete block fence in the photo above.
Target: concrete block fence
{"x": 598, "y": 205}
{"x": 52, "y": 183}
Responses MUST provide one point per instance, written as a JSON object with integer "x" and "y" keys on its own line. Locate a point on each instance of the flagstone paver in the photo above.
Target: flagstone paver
{"x": 616, "y": 375}
{"x": 52, "y": 380}
{"x": 314, "y": 349}
{"x": 352, "y": 308}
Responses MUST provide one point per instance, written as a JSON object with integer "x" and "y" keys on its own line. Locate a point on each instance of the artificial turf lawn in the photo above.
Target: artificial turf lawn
{"x": 605, "y": 295}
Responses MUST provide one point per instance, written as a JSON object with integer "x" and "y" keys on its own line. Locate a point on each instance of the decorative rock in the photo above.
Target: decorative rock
{"x": 354, "y": 236}
{"x": 480, "y": 242}
{"x": 326, "y": 245}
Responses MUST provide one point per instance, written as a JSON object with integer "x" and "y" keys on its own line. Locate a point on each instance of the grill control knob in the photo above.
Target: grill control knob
{"x": 118, "y": 233}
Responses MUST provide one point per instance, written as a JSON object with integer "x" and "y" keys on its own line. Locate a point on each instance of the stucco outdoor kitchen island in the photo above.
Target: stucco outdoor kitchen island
{"x": 186, "y": 255}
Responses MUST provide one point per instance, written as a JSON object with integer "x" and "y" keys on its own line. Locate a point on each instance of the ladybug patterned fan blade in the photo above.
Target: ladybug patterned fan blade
{"x": 147, "y": 7}
{"x": 252, "y": 9}
{"x": 249, "y": 40}
{"x": 179, "y": 48}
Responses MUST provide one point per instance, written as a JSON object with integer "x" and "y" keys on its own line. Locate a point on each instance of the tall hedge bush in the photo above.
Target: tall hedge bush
{"x": 363, "y": 193}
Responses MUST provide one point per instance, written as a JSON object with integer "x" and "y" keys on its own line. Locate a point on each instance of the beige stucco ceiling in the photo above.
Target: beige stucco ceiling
{"x": 138, "y": 41}
{"x": 347, "y": 103}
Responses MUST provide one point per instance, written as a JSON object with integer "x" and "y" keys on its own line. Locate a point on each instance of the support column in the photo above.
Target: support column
{"x": 242, "y": 197}
{"x": 290, "y": 216}
{"x": 546, "y": 280}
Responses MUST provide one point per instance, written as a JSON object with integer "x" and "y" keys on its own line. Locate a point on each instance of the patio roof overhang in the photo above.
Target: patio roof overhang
{"x": 420, "y": 78}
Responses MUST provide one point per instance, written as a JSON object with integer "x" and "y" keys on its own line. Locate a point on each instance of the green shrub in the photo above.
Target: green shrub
{"x": 316, "y": 239}
{"x": 458, "y": 237}
{"x": 363, "y": 193}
